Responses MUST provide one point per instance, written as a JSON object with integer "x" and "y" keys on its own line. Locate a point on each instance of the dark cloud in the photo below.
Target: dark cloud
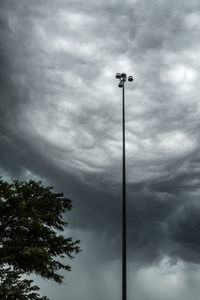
{"x": 60, "y": 119}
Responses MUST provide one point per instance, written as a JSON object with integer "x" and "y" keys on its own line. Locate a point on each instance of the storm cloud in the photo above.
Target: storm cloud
{"x": 60, "y": 122}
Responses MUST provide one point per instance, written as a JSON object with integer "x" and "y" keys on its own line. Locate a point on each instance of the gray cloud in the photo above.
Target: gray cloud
{"x": 60, "y": 119}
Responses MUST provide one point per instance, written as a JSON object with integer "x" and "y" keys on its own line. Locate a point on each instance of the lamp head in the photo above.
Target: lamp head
{"x": 130, "y": 78}
{"x": 123, "y": 75}
{"x": 120, "y": 85}
{"x": 118, "y": 76}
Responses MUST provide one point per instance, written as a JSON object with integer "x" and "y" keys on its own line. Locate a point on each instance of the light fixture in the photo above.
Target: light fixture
{"x": 130, "y": 78}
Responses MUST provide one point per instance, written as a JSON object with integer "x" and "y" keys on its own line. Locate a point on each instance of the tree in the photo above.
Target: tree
{"x": 31, "y": 222}
{"x": 13, "y": 288}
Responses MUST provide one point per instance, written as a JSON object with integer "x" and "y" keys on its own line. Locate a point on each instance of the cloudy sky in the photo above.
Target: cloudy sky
{"x": 60, "y": 122}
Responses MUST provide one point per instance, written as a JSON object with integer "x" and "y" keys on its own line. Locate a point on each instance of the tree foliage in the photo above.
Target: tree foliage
{"x": 31, "y": 222}
{"x": 12, "y": 287}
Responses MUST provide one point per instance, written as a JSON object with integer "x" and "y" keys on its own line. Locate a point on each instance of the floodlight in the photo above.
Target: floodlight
{"x": 130, "y": 78}
{"x": 123, "y": 75}
{"x": 118, "y": 76}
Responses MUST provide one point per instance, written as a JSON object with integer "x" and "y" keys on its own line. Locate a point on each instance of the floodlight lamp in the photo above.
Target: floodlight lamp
{"x": 123, "y": 75}
{"x": 120, "y": 85}
{"x": 130, "y": 78}
{"x": 118, "y": 76}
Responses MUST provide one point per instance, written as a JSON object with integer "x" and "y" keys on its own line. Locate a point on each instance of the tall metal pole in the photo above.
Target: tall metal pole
{"x": 122, "y": 77}
{"x": 124, "y": 199}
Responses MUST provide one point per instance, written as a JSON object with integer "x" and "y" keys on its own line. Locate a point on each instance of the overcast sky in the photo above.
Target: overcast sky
{"x": 60, "y": 122}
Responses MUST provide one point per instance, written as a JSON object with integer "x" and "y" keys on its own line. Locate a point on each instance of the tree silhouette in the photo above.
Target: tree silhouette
{"x": 12, "y": 287}
{"x": 31, "y": 222}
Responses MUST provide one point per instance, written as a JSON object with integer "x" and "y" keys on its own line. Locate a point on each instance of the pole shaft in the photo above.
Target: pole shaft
{"x": 124, "y": 200}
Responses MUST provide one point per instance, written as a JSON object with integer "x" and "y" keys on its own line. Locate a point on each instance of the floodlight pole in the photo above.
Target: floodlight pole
{"x": 124, "y": 262}
{"x": 122, "y": 77}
